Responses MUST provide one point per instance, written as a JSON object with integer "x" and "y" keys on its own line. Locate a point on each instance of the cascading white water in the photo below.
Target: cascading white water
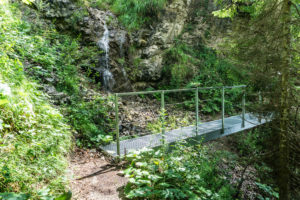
{"x": 103, "y": 43}
{"x": 107, "y": 77}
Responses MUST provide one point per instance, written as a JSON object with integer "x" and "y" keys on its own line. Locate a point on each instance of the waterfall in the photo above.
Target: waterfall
{"x": 107, "y": 77}
{"x": 103, "y": 43}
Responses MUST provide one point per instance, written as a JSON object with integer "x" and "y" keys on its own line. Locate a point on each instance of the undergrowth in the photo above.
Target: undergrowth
{"x": 253, "y": 145}
{"x": 184, "y": 173}
{"x": 34, "y": 136}
{"x": 194, "y": 171}
{"x": 58, "y": 60}
{"x": 199, "y": 66}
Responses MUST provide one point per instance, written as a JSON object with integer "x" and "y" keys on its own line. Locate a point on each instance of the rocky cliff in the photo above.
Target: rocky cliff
{"x": 152, "y": 43}
{"x": 133, "y": 60}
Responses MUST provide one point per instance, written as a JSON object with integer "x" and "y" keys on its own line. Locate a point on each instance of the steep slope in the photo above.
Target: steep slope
{"x": 34, "y": 136}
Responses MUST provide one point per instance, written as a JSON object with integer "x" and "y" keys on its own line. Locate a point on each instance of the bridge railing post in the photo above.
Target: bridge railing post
{"x": 197, "y": 109}
{"x": 117, "y": 124}
{"x": 223, "y": 109}
{"x": 163, "y": 114}
{"x": 260, "y": 104}
{"x": 243, "y": 109}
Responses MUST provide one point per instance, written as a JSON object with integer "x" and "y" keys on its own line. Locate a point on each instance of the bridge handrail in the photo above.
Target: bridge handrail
{"x": 162, "y": 93}
{"x": 177, "y": 90}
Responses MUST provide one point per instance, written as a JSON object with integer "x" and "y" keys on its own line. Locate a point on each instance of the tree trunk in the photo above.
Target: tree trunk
{"x": 284, "y": 173}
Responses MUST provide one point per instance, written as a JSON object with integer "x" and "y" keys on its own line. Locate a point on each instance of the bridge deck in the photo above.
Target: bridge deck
{"x": 206, "y": 131}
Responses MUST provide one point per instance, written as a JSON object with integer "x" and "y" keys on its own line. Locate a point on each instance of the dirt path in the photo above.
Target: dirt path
{"x": 93, "y": 178}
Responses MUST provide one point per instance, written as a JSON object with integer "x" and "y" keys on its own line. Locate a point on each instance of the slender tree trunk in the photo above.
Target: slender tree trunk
{"x": 284, "y": 173}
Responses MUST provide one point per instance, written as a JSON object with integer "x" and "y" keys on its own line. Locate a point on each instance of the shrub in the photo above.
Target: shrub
{"x": 91, "y": 121}
{"x": 184, "y": 173}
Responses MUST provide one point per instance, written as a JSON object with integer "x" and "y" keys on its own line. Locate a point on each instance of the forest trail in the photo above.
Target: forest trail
{"x": 94, "y": 178}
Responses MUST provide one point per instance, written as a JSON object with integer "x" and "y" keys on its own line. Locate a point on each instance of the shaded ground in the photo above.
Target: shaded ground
{"x": 242, "y": 175}
{"x": 94, "y": 178}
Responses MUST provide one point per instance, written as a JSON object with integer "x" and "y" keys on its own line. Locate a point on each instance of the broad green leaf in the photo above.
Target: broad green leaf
{"x": 13, "y": 196}
{"x": 65, "y": 196}
{"x": 3, "y": 101}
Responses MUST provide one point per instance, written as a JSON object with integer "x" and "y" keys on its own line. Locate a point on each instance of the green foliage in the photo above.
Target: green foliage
{"x": 56, "y": 59}
{"x": 199, "y": 66}
{"x": 184, "y": 173}
{"x": 171, "y": 122}
{"x": 13, "y": 196}
{"x": 91, "y": 120}
{"x": 251, "y": 145}
{"x": 269, "y": 193}
{"x": 34, "y": 136}
{"x": 48, "y": 54}
{"x": 179, "y": 64}
{"x": 41, "y": 195}
{"x": 133, "y": 13}
{"x": 77, "y": 16}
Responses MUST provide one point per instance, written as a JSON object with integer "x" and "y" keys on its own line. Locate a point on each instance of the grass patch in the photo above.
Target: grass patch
{"x": 133, "y": 14}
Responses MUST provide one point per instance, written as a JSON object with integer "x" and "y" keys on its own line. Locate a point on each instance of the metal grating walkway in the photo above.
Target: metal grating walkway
{"x": 206, "y": 131}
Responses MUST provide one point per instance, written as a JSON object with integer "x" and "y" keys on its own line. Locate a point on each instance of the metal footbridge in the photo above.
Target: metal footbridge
{"x": 204, "y": 132}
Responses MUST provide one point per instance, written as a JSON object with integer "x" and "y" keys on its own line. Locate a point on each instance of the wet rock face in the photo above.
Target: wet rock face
{"x": 102, "y": 28}
{"x": 153, "y": 43}
{"x": 55, "y": 8}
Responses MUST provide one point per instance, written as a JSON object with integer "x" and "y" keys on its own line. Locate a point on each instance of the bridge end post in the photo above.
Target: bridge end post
{"x": 260, "y": 102}
{"x": 117, "y": 125}
{"x": 243, "y": 109}
{"x": 223, "y": 109}
{"x": 163, "y": 115}
{"x": 197, "y": 109}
